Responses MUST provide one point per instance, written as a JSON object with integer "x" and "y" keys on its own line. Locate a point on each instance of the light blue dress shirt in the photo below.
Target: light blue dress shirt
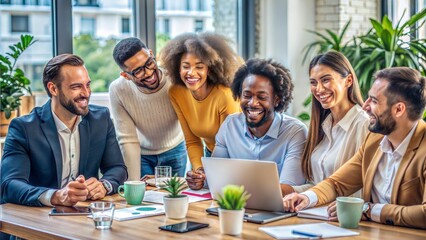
{"x": 283, "y": 143}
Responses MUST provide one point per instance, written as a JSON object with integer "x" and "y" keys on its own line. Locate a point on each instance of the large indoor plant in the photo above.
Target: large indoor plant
{"x": 175, "y": 203}
{"x": 13, "y": 82}
{"x": 231, "y": 209}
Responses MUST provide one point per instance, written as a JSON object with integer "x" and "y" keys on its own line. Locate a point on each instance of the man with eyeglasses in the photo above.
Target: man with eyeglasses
{"x": 147, "y": 127}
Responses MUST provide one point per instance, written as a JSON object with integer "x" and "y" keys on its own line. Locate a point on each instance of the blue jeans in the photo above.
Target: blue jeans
{"x": 175, "y": 158}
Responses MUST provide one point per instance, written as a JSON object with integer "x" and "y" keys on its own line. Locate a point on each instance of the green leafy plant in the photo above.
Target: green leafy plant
{"x": 233, "y": 198}
{"x": 387, "y": 46}
{"x": 327, "y": 42}
{"x": 13, "y": 83}
{"x": 174, "y": 186}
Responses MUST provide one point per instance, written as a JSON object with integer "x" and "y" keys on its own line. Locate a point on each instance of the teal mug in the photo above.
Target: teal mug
{"x": 132, "y": 191}
{"x": 349, "y": 211}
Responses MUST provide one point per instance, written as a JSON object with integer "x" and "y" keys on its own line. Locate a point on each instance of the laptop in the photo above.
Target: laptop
{"x": 259, "y": 178}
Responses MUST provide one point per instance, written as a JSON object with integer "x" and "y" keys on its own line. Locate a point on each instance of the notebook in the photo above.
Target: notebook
{"x": 319, "y": 213}
{"x": 324, "y": 229}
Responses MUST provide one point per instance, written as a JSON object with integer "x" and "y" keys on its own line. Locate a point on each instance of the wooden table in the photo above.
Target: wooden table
{"x": 35, "y": 223}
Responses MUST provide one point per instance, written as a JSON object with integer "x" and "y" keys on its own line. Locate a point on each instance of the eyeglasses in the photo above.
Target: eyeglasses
{"x": 139, "y": 72}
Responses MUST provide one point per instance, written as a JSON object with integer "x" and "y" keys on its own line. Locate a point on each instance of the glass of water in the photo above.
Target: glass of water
{"x": 162, "y": 173}
{"x": 102, "y": 213}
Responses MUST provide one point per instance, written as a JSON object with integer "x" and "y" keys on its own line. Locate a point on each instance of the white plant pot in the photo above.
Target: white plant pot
{"x": 176, "y": 208}
{"x": 231, "y": 221}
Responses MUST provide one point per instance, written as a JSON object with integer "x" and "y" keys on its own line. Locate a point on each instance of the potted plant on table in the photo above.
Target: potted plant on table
{"x": 175, "y": 203}
{"x": 13, "y": 82}
{"x": 231, "y": 209}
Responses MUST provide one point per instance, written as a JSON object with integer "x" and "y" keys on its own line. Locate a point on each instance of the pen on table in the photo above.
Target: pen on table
{"x": 307, "y": 234}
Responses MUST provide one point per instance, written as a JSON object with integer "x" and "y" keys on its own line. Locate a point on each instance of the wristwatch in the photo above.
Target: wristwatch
{"x": 107, "y": 185}
{"x": 366, "y": 208}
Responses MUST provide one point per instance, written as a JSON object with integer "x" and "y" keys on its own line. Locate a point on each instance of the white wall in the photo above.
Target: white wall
{"x": 283, "y": 35}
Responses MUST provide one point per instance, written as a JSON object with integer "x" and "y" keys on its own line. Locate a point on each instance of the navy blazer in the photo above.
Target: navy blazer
{"x": 32, "y": 159}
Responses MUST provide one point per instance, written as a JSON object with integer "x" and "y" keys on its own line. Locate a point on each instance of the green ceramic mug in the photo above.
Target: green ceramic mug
{"x": 132, "y": 191}
{"x": 349, "y": 211}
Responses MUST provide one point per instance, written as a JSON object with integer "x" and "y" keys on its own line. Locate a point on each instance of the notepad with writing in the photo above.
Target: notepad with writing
{"x": 324, "y": 229}
{"x": 319, "y": 213}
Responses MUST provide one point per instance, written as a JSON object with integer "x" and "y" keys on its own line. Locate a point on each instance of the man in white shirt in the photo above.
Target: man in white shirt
{"x": 390, "y": 166}
{"x": 148, "y": 130}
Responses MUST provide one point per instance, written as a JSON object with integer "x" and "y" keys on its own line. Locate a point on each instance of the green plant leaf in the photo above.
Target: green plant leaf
{"x": 304, "y": 116}
{"x": 386, "y": 38}
{"x": 387, "y": 24}
{"x": 377, "y": 26}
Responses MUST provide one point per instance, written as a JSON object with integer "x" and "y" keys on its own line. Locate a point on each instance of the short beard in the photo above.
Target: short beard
{"x": 258, "y": 124}
{"x": 71, "y": 107}
{"x": 385, "y": 124}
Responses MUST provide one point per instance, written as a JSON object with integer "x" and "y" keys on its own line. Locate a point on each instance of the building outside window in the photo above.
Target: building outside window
{"x": 19, "y": 24}
{"x": 96, "y": 30}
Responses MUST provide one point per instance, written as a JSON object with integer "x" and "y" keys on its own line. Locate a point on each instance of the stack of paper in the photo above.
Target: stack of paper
{"x": 141, "y": 211}
{"x": 324, "y": 230}
{"x": 314, "y": 213}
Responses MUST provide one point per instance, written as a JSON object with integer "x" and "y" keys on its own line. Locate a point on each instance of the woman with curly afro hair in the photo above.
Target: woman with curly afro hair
{"x": 201, "y": 67}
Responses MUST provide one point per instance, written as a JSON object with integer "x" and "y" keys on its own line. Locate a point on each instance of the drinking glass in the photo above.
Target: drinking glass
{"x": 103, "y": 214}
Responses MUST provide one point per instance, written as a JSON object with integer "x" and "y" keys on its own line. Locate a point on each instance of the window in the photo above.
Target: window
{"x": 188, "y": 5}
{"x": 167, "y": 26}
{"x": 201, "y": 5}
{"x": 95, "y": 34}
{"x": 125, "y": 25}
{"x": 87, "y": 3}
{"x": 104, "y": 26}
{"x": 19, "y": 24}
{"x": 33, "y": 60}
{"x": 199, "y": 26}
{"x": 87, "y": 26}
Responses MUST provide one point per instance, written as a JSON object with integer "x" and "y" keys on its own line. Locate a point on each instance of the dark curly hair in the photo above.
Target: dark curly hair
{"x": 213, "y": 49}
{"x": 276, "y": 73}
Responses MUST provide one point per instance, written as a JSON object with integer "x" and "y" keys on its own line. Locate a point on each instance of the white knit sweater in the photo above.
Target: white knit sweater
{"x": 145, "y": 123}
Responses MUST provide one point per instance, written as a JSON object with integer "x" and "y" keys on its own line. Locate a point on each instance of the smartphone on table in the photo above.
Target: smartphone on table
{"x": 184, "y": 227}
{"x": 69, "y": 211}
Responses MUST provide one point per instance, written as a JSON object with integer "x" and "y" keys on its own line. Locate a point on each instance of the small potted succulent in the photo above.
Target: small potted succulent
{"x": 175, "y": 203}
{"x": 231, "y": 209}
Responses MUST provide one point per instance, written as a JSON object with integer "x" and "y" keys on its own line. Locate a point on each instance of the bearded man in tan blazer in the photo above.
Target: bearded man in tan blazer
{"x": 390, "y": 166}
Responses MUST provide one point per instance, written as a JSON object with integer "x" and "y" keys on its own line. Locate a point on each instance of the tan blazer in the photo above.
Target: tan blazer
{"x": 408, "y": 199}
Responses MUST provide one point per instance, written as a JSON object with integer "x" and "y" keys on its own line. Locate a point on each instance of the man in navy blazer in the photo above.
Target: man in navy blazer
{"x": 53, "y": 156}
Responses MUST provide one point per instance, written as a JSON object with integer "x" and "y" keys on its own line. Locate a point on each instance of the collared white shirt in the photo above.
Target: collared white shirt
{"x": 340, "y": 142}
{"x": 69, "y": 141}
{"x": 70, "y": 152}
{"x": 386, "y": 172}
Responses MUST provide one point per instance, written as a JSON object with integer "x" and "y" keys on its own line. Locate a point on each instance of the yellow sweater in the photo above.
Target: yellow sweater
{"x": 200, "y": 120}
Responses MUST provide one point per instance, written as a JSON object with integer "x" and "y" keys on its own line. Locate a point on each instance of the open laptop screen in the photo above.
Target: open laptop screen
{"x": 259, "y": 178}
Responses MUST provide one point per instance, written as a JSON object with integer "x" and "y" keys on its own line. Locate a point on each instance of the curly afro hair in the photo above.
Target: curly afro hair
{"x": 276, "y": 73}
{"x": 213, "y": 49}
